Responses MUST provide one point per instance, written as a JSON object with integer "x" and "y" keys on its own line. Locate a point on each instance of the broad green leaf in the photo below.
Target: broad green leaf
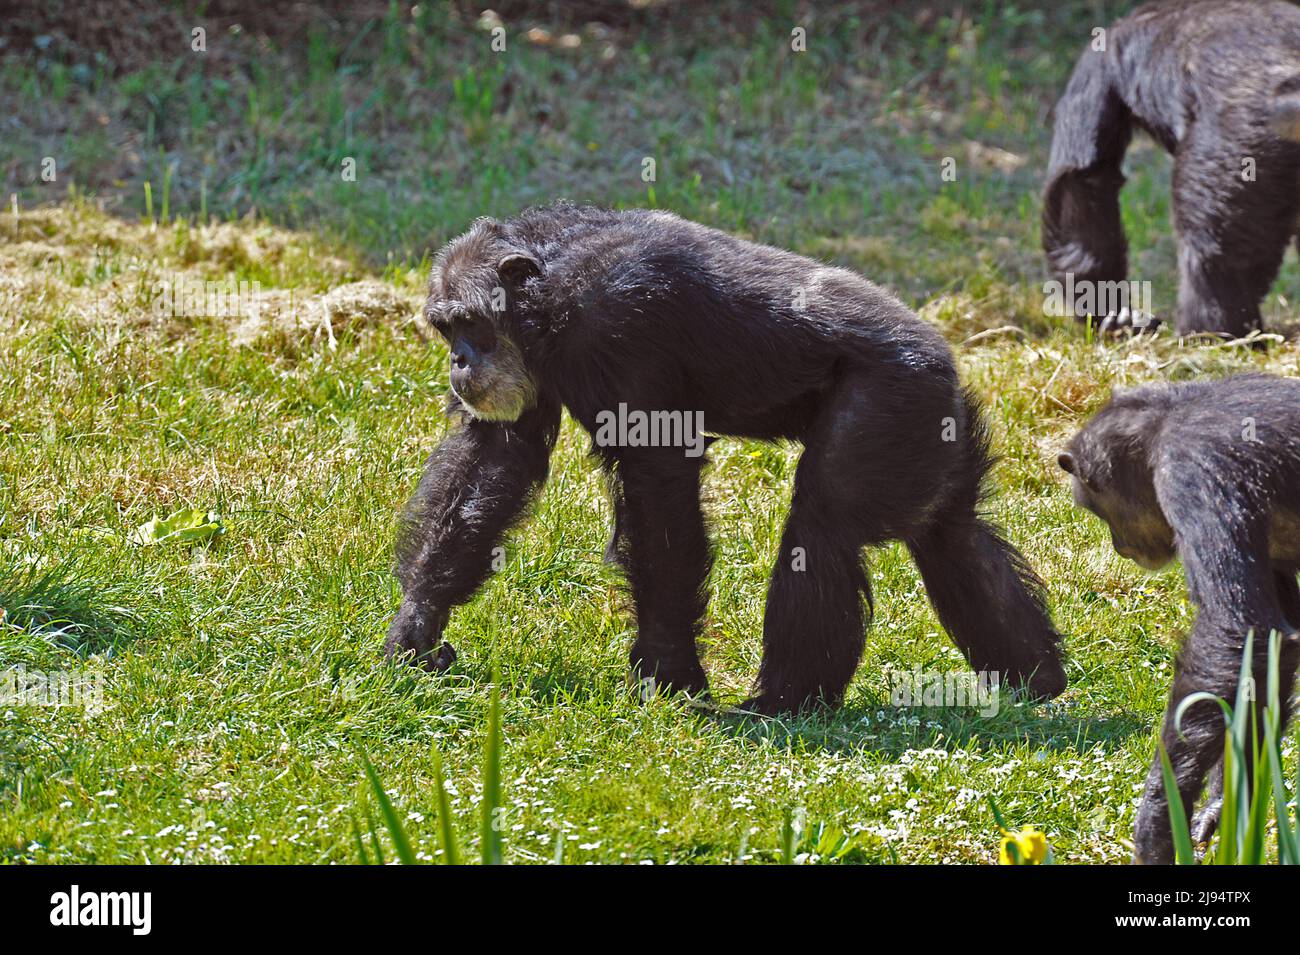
{"x": 188, "y": 525}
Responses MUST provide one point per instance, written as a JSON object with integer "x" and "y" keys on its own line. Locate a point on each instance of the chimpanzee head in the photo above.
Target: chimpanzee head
{"x": 1110, "y": 469}
{"x": 477, "y": 279}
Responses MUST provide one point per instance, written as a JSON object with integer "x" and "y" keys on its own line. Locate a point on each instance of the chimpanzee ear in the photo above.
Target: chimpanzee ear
{"x": 518, "y": 267}
{"x": 1066, "y": 460}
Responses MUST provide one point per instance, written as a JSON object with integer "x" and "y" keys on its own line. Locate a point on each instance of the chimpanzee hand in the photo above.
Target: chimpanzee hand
{"x": 1206, "y": 821}
{"x": 416, "y": 633}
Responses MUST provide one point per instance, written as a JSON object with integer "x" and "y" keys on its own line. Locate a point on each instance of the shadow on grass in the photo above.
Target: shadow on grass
{"x": 893, "y": 731}
{"x": 61, "y": 606}
{"x": 866, "y": 723}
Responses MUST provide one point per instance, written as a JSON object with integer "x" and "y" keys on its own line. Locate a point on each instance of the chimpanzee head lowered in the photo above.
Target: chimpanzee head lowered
{"x": 1109, "y": 462}
{"x": 477, "y": 279}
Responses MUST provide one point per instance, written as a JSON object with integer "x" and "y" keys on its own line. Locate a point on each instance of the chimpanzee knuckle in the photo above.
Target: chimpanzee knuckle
{"x": 1206, "y": 822}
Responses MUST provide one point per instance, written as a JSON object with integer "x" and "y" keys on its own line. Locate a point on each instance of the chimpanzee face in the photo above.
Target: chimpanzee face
{"x": 487, "y": 367}
{"x": 1122, "y": 494}
{"x": 475, "y": 283}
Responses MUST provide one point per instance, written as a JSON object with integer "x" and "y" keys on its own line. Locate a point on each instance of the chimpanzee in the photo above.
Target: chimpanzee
{"x": 639, "y": 313}
{"x": 1217, "y": 84}
{"x": 1209, "y": 472}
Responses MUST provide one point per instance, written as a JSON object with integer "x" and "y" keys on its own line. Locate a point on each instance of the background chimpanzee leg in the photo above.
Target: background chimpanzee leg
{"x": 664, "y": 549}
{"x": 616, "y": 546}
{"x": 1232, "y": 231}
{"x": 474, "y": 486}
{"x": 1217, "y": 293}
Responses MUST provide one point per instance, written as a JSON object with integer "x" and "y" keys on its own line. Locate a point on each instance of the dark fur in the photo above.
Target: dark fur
{"x": 1171, "y": 469}
{"x": 659, "y": 313}
{"x": 1213, "y": 82}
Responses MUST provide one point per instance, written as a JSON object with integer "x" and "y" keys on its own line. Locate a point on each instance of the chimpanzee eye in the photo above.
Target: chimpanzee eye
{"x": 443, "y": 317}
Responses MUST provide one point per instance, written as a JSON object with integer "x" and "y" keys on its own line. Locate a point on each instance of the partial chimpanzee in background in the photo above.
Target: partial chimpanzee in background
{"x": 588, "y": 309}
{"x": 1209, "y": 472}
{"x": 1217, "y": 84}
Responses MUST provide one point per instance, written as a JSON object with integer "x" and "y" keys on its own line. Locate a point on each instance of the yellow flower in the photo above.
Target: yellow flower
{"x": 1031, "y": 847}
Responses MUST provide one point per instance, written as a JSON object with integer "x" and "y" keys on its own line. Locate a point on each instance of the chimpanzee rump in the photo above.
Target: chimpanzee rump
{"x": 588, "y": 309}
{"x": 1217, "y": 84}
{"x": 1209, "y": 472}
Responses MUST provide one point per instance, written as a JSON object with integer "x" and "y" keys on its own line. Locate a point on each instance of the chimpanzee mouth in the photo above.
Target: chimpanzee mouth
{"x": 485, "y": 409}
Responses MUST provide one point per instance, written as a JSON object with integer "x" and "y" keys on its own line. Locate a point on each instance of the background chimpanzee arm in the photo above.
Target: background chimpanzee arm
{"x": 1222, "y": 537}
{"x": 1082, "y": 231}
{"x": 475, "y": 485}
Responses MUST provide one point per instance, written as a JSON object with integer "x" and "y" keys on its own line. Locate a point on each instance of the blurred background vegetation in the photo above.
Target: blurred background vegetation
{"x": 835, "y": 151}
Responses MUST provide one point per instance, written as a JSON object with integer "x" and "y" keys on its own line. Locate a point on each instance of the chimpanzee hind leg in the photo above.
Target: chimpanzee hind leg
{"x": 991, "y": 604}
{"x": 1210, "y": 662}
{"x": 1288, "y": 593}
{"x": 1232, "y": 234}
{"x": 867, "y": 471}
{"x": 985, "y": 593}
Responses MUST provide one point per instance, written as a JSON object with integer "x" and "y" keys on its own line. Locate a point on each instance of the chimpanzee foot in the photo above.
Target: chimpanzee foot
{"x": 763, "y": 704}
{"x": 440, "y": 660}
{"x": 1047, "y": 682}
{"x": 655, "y": 672}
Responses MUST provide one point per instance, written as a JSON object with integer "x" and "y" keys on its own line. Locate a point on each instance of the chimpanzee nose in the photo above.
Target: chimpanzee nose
{"x": 462, "y": 372}
{"x": 463, "y": 354}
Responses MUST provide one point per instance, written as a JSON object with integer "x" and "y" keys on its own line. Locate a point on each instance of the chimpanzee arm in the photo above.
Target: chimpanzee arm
{"x": 1082, "y": 232}
{"x": 474, "y": 487}
{"x": 1222, "y": 539}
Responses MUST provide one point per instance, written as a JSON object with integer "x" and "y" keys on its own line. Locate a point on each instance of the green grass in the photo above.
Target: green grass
{"x": 244, "y": 676}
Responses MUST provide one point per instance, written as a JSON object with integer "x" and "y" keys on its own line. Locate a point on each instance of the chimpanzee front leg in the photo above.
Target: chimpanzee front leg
{"x": 475, "y": 485}
{"x": 1083, "y": 233}
{"x": 1210, "y": 662}
{"x": 1206, "y": 820}
{"x": 1235, "y": 593}
{"x": 665, "y": 553}
{"x": 616, "y": 547}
